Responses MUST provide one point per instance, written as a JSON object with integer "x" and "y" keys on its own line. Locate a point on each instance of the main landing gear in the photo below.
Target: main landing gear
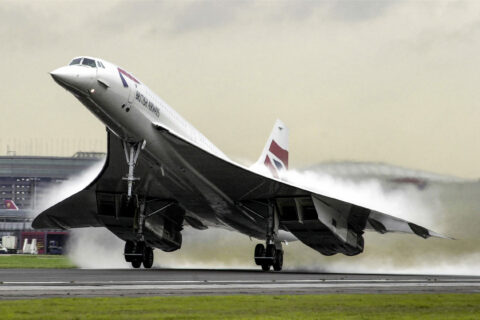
{"x": 270, "y": 255}
{"x": 136, "y": 252}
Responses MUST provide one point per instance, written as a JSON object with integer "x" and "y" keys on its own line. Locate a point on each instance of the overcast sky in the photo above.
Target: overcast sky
{"x": 383, "y": 81}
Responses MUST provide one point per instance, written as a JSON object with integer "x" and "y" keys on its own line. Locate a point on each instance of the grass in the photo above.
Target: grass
{"x": 34, "y": 262}
{"x": 337, "y": 306}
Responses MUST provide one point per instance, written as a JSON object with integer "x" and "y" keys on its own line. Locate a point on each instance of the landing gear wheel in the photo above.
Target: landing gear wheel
{"x": 129, "y": 248}
{"x": 147, "y": 257}
{"x": 278, "y": 264}
{"x": 270, "y": 257}
{"x": 271, "y": 253}
{"x": 259, "y": 254}
{"x": 136, "y": 264}
{"x": 265, "y": 266}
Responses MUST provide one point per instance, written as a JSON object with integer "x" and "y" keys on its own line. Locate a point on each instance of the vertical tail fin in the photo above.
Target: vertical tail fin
{"x": 10, "y": 205}
{"x": 275, "y": 152}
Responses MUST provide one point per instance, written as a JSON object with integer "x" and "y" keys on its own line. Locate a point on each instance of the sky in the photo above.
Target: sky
{"x": 377, "y": 81}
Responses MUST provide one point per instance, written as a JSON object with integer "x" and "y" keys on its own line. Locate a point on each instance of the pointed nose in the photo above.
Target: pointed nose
{"x": 63, "y": 74}
{"x": 74, "y": 78}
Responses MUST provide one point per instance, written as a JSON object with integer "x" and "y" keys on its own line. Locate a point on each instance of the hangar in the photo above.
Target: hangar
{"x": 25, "y": 180}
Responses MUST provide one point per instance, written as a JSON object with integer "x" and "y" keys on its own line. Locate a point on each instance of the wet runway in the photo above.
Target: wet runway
{"x": 42, "y": 283}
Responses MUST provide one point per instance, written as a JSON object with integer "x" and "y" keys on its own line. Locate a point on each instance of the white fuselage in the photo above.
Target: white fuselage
{"x": 131, "y": 111}
{"x": 125, "y": 105}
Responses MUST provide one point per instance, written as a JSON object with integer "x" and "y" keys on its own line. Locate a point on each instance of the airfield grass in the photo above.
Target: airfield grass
{"x": 336, "y": 306}
{"x": 35, "y": 261}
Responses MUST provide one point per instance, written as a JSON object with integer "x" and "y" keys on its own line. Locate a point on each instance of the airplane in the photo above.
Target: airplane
{"x": 161, "y": 174}
{"x": 10, "y": 205}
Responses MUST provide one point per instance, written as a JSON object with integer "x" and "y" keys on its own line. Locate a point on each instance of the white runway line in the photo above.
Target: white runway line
{"x": 161, "y": 282}
{"x": 209, "y": 286}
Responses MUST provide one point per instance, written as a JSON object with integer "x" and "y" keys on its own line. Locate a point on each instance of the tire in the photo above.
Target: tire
{"x": 148, "y": 258}
{"x": 259, "y": 252}
{"x": 129, "y": 248}
{"x": 265, "y": 266}
{"x": 271, "y": 252}
{"x": 278, "y": 264}
{"x": 136, "y": 264}
{"x": 140, "y": 248}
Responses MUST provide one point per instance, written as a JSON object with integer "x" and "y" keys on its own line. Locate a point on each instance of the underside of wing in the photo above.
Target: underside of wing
{"x": 192, "y": 186}
{"x": 104, "y": 202}
{"x": 326, "y": 224}
{"x": 77, "y": 211}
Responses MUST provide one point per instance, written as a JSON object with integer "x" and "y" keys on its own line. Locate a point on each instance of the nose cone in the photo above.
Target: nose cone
{"x": 63, "y": 74}
{"x": 77, "y": 79}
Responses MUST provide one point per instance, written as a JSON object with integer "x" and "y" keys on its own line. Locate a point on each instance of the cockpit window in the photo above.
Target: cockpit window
{"x": 89, "y": 62}
{"x": 100, "y": 64}
{"x": 76, "y": 61}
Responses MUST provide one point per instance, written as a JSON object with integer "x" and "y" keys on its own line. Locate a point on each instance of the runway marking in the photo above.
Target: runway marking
{"x": 35, "y": 284}
{"x": 239, "y": 281}
{"x": 211, "y": 286}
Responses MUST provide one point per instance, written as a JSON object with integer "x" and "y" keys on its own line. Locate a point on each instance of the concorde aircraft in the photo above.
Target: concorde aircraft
{"x": 161, "y": 174}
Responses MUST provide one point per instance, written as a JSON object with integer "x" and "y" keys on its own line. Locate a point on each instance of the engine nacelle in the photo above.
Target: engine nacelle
{"x": 162, "y": 233}
{"x": 319, "y": 225}
{"x": 163, "y": 222}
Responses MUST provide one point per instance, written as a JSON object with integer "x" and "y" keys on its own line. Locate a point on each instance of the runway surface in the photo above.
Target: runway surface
{"x": 43, "y": 283}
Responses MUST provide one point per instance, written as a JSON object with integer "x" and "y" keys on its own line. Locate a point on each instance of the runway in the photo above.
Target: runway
{"x": 43, "y": 283}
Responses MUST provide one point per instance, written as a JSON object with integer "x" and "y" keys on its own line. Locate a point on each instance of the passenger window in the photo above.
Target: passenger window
{"x": 76, "y": 61}
{"x": 89, "y": 62}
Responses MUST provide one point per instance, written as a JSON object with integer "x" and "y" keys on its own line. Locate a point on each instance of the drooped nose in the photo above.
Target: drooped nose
{"x": 74, "y": 78}
{"x": 63, "y": 74}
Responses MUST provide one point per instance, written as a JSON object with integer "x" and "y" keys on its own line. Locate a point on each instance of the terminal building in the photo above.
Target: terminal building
{"x": 24, "y": 180}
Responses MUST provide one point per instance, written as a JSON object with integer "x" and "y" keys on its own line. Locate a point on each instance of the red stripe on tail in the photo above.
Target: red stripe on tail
{"x": 279, "y": 152}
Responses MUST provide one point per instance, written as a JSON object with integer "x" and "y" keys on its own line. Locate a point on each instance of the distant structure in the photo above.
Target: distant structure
{"x": 24, "y": 180}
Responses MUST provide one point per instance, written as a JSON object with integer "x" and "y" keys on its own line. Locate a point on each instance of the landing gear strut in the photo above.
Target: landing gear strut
{"x": 138, "y": 253}
{"x": 132, "y": 151}
{"x": 270, "y": 255}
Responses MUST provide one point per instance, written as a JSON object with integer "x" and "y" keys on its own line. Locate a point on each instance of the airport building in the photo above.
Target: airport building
{"x": 24, "y": 182}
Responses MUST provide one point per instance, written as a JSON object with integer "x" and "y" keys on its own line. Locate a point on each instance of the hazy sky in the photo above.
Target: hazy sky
{"x": 388, "y": 81}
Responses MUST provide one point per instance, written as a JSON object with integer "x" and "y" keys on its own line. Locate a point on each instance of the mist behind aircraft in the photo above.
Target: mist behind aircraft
{"x": 447, "y": 205}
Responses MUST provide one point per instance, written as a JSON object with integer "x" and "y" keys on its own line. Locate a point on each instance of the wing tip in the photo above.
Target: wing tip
{"x": 439, "y": 235}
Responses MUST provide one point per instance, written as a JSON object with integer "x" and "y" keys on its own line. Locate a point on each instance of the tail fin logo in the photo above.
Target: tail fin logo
{"x": 275, "y": 152}
{"x": 276, "y": 159}
{"x": 10, "y": 205}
